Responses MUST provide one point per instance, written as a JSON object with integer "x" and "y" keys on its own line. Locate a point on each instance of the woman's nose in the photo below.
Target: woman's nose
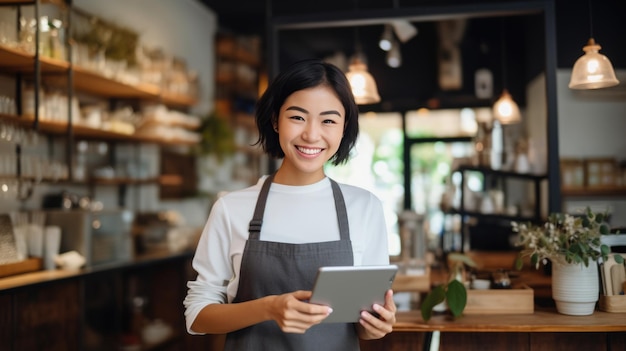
{"x": 311, "y": 132}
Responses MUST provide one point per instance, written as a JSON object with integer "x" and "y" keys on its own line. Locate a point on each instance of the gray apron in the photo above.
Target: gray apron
{"x": 273, "y": 268}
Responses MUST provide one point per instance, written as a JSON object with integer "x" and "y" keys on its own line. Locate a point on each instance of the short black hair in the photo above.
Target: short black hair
{"x": 303, "y": 75}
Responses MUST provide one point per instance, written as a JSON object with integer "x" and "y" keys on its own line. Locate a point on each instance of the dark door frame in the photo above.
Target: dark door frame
{"x": 496, "y": 9}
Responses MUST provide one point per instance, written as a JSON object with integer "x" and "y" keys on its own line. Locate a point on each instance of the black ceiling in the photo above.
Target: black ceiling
{"x": 415, "y": 83}
{"x": 249, "y": 16}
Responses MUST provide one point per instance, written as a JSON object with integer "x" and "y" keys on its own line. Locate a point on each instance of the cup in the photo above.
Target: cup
{"x": 52, "y": 244}
{"x": 20, "y": 233}
{"x": 35, "y": 240}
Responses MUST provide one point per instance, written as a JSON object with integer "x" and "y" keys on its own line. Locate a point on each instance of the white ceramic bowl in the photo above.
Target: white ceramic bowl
{"x": 481, "y": 284}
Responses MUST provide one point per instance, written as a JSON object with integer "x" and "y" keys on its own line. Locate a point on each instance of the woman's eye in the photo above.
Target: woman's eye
{"x": 297, "y": 118}
{"x": 329, "y": 121}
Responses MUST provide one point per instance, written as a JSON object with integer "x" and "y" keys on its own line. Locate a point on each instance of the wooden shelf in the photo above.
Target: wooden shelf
{"x": 178, "y": 99}
{"x": 92, "y": 82}
{"x": 82, "y": 132}
{"x": 19, "y": 61}
{"x": 88, "y": 81}
{"x": 617, "y": 191}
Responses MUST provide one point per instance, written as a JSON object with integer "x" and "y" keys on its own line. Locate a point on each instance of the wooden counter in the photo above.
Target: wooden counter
{"x": 46, "y": 276}
{"x": 543, "y": 320}
{"x": 545, "y": 329}
{"x": 90, "y": 308}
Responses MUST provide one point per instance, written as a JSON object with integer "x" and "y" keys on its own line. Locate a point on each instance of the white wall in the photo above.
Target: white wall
{"x": 593, "y": 124}
{"x": 183, "y": 28}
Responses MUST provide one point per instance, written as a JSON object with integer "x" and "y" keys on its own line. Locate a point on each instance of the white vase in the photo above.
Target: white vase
{"x": 575, "y": 287}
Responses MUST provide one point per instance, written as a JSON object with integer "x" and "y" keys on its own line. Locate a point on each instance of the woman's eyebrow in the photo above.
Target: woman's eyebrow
{"x": 330, "y": 112}
{"x": 297, "y": 109}
{"x": 324, "y": 113}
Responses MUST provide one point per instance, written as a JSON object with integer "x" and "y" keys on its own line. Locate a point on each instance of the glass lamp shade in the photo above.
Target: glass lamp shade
{"x": 386, "y": 38}
{"x": 505, "y": 110}
{"x": 592, "y": 70}
{"x": 362, "y": 83}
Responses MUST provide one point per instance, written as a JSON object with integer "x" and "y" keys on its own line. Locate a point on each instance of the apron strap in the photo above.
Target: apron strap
{"x": 257, "y": 219}
{"x": 256, "y": 223}
{"x": 342, "y": 213}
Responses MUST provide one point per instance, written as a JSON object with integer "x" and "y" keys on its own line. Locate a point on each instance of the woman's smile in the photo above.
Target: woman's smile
{"x": 309, "y": 151}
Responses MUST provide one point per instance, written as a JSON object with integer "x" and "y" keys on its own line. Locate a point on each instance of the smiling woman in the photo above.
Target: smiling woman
{"x": 255, "y": 275}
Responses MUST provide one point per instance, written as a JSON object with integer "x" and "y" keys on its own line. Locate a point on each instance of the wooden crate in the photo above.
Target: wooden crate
{"x": 572, "y": 173}
{"x": 614, "y": 303}
{"x": 500, "y": 301}
{"x": 25, "y": 266}
{"x": 600, "y": 173}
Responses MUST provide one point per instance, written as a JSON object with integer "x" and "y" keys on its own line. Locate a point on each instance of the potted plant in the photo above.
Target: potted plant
{"x": 453, "y": 292}
{"x": 573, "y": 246}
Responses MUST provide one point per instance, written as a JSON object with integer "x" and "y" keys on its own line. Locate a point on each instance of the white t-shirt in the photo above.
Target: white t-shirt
{"x": 293, "y": 214}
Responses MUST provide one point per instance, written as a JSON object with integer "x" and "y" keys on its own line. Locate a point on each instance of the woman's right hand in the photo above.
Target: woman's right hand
{"x": 293, "y": 314}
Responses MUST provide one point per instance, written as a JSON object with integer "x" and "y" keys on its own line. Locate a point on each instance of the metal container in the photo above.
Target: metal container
{"x": 102, "y": 237}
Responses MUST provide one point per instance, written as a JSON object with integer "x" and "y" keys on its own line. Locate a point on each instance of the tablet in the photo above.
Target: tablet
{"x": 348, "y": 290}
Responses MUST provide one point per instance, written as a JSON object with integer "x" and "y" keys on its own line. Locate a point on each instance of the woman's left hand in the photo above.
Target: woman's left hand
{"x": 372, "y": 327}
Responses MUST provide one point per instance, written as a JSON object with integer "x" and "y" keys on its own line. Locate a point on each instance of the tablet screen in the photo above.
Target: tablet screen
{"x": 348, "y": 290}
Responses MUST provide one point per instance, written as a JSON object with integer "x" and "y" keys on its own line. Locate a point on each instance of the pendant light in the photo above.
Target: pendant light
{"x": 386, "y": 38}
{"x": 361, "y": 81}
{"x": 505, "y": 110}
{"x": 592, "y": 70}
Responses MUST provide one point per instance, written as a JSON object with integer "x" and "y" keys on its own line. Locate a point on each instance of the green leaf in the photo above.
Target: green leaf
{"x": 599, "y": 218}
{"x": 435, "y": 297}
{"x": 604, "y": 229}
{"x": 619, "y": 259}
{"x": 519, "y": 263}
{"x": 456, "y": 297}
{"x": 586, "y": 222}
{"x": 534, "y": 259}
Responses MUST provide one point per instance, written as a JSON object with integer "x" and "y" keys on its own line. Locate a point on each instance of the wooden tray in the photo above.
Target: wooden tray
{"x": 25, "y": 266}
{"x": 500, "y": 301}
{"x": 614, "y": 303}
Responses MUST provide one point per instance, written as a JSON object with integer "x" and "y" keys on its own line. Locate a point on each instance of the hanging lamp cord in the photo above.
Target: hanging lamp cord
{"x": 357, "y": 40}
{"x": 590, "y": 21}
{"x": 503, "y": 52}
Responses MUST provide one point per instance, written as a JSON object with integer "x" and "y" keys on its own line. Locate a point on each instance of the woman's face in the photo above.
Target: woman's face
{"x": 310, "y": 129}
